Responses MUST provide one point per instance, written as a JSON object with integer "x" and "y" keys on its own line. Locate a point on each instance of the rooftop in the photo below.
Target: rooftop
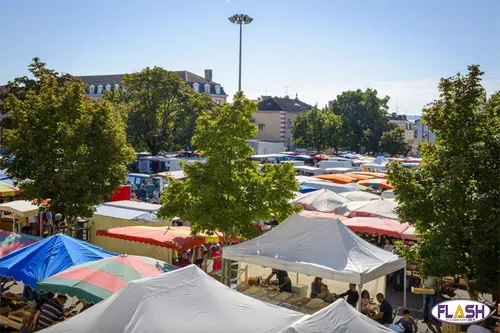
{"x": 283, "y": 104}
{"x": 116, "y": 78}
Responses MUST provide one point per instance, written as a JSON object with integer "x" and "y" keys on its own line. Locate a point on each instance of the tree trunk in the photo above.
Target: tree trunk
{"x": 71, "y": 225}
{"x": 472, "y": 293}
{"x": 226, "y": 266}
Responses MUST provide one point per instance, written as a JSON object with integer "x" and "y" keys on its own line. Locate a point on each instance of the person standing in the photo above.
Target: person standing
{"x": 352, "y": 295}
{"x": 142, "y": 193}
{"x": 284, "y": 282}
{"x": 49, "y": 313}
{"x": 407, "y": 322}
{"x": 430, "y": 282}
{"x": 156, "y": 195}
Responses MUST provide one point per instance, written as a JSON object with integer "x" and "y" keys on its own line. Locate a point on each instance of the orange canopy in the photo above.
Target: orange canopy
{"x": 381, "y": 183}
{"x": 336, "y": 178}
{"x": 175, "y": 238}
{"x": 358, "y": 176}
{"x": 373, "y": 174}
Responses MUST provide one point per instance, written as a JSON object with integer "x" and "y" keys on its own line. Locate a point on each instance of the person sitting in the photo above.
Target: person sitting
{"x": 50, "y": 312}
{"x": 284, "y": 282}
{"x": 316, "y": 287}
{"x": 364, "y": 306}
{"x": 325, "y": 294}
{"x": 384, "y": 316}
{"x": 352, "y": 295}
{"x": 184, "y": 261}
{"x": 407, "y": 322}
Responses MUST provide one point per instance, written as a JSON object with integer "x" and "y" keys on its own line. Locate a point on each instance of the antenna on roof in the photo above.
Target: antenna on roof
{"x": 266, "y": 92}
{"x": 397, "y": 105}
{"x": 286, "y": 90}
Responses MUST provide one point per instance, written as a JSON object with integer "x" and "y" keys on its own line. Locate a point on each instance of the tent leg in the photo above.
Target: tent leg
{"x": 297, "y": 278}
{"x": 358, "y": 306}
{"x": 404, "y": 286}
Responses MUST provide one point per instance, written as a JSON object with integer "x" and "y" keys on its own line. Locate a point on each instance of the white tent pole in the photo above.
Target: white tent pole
{"x": 297, "y": 278}
{"x": 404, "y": 286}
{"x": 14, "y": 222}
{"x": 358, "y": 306}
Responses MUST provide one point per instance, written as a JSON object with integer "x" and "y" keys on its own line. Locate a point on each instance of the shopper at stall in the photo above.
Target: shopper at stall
{"x": 364, "y": 306}
{"x": 142, "y": 193}
{"x": 325, "y": 294}
{"x": 407, "y": 322}
{"x": 384, "y": 316}
{"x": 50, "y": 312}
{"x": 284, "y": 282}
{"x": 316, "y": 286}
{"x": 430, "y": 282}
{"x": 183, "y": 260}
{"x": 352, "y": 295}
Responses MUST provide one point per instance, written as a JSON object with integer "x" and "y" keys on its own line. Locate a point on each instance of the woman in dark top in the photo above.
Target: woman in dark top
{"x": 352, "y": 295}
{"x": 316, "y": 287}
{"x": 285, "y": 284}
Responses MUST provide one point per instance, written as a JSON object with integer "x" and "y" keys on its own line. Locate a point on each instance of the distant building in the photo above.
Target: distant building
{"x": 98, "y": 84}
{"x": 275, "y": 117}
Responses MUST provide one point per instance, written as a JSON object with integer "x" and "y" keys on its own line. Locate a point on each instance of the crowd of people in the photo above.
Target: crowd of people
{"x": 206, "y": 256}
{"x": 44, "y": 224}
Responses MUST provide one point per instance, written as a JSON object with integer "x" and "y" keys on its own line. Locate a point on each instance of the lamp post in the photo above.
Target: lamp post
{"x": 240, "y": 19}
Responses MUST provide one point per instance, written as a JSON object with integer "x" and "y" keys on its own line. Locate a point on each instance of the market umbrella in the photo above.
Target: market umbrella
{"x": 7, "y": 190}
{"x": 97, "y": 280}
{"x": 47, "y": 257}
{"x": 11, "y": 241}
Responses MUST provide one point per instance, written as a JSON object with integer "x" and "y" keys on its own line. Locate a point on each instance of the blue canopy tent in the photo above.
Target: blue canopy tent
{"x": 47, "y": 257}
{"x": 307, "y": 189}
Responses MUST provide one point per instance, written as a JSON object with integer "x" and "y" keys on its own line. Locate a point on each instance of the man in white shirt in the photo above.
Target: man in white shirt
{"x": 478, "y": 328}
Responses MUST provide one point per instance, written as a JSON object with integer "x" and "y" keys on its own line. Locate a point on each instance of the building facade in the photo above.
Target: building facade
{"x": 275, "y": 117}
{"x": 98, "y": 84}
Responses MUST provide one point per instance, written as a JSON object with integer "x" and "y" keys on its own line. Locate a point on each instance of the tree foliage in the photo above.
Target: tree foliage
{"x": 63, "y": 146}
{"x": 393, "y": 142}
{"x": 453, "y": 198}
{"x": 229, "y": 193}
{"x": 319, "y": 129}
{"x": 364, "y": 117}
{"x": 161, "y": 109}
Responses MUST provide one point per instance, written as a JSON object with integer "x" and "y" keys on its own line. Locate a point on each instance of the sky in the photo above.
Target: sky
{"x": 318, "y": 48}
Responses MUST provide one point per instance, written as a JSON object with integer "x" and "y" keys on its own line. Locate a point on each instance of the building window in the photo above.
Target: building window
{"x": 261, "y": 126}
{"x": 117, "y": 86}
{"x": 108, "y": 87}
{"x": 217, "y": 89}
{"x": 196, "y": 87}
{"x": 207, "y": 88}
{"x": 99, "y": 89}
{"x": 217, "y": 101}
{"x": 91, "y": 89}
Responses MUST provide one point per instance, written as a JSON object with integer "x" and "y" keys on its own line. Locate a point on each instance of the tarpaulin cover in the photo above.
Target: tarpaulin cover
{"x": 176, "y": 238}
{"x": 97, "y": 280}
{"x": 382, "y": 183}
{"x": 383, "y": 208}
{"x": 336, "y": 318}
{"x": 360, "y": 196}
{"x": 337, "y": 188}
{"x": 317, "y": 247}
{"x": 47, "y": 257}
{"x": 307, "y": 189}
{"x": 372, "y": 174}
{"x": 377, "y": 225}
{"x": 322, "y": 200}
{"x": 184, "y": 300}
{"x": 339, "y": 179}
{"x": 11, "y": 241}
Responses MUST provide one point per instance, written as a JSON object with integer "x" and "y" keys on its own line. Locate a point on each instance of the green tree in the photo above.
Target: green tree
{"x": 319, "y": 129}
{"x": 229, "y": 193}
{"x": 63, "y": 146}
{"x": 453, "y": 198}
{"x": 161, "y": 109}
{"x": 364, "y": 117}
{"x": 393, "y": 142}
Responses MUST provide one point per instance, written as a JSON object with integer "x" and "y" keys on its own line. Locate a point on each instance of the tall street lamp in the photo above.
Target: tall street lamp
{"x": 240, "y": 19}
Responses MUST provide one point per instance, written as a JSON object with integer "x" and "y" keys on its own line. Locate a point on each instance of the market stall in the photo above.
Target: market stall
{"x": 337, "y": 188}
{"x": 381, "y": 226}
{"x": 154, "y": 242}
{"x": 340, "y": 315}
{"x": 320, "y": 247}
{"x": 20, "y": 209}
{"x": 375, "y": 208}
{"x": 322, "y": 200}
{"x": 184, "y": 300}
{"x": 360, "y": 196}
{"x": 47, "y": 257}
{"x": 336, "y": 178}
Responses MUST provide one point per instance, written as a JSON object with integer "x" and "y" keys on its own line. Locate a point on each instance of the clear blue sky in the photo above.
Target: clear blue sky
{"x": 318, "y": 47}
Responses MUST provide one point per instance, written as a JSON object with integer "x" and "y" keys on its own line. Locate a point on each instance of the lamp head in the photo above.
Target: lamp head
{"x": 240, "y": 19}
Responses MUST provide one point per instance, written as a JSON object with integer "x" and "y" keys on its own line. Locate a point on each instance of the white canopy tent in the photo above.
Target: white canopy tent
{"x": 360, "y": 196}
{"x": 20, "y": 208}
{"x": 322, "y": 201}
{"x": 334, "y": 187}
{"x": 377, "y": 164}
{"x": 317, "y": 246}
{"x": 135, "y": 205}
{"x": 184, "y": 300}
{"x": 383, "y": 208}
{"x": 388, "y": 194}
{"x": 338, "y": 317}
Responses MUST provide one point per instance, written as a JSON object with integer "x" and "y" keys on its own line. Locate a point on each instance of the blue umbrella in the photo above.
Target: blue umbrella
{"x": 307, "y": 189}
{"x": 47, "y": 257}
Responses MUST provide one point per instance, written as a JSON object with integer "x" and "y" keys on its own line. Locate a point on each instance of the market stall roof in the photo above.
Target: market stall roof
{"x": 11, "y": 241}
{"x": 337, "y": 188}
{"x": 136, "y": 205}
{"x": 179, "y": 174}
{"x": 97, "y": 280}
{"x": 360, "y": 196}
{"x": 381, "y": 183}
{"x": 184, "y": 300}
{"x": 382, "y": 207}
{"x": 322, "y": 200}
{"x": 307, "y": 189}
{"x": 323, "y": 215}
{"x": 389, "y": 194}
{"x": 175, "y": 238}
{"x": 378, "y": 163}
{"x": 8, "y": 190}
{"x": 120, "y": 213}
{"x": 336, "y": 178}
{"x": 47, "y": 257}
{"x": 373, "y": 174}
{"x": 305, "y": 168}
{"x": 377, "y": 225}
{"x": 317, "y": 247}
{"x": 338, "y": 317}
{"x": 302, "y": 179}
{"x": 22, "y": 208}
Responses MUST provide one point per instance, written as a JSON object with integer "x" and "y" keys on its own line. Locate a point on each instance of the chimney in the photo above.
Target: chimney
{"x": 208, "y": 75}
